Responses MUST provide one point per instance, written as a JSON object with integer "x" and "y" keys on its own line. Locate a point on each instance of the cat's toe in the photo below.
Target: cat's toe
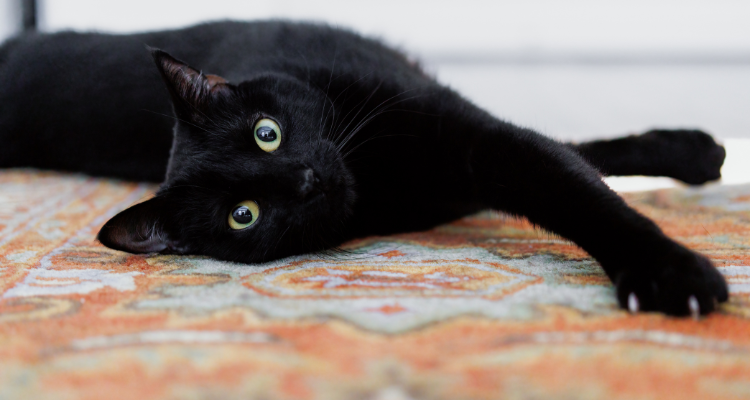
{"x": 636, "y": 294}
{"x": 689, "y": 287}
{"x": 694, "y": 307}
{"x": 707, "y": 159}
{"x": 633, "y": 304}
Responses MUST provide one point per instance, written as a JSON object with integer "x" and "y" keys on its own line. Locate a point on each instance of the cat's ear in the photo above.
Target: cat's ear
{"x": 190, "y": 89}
{"x": 140, "y": 229}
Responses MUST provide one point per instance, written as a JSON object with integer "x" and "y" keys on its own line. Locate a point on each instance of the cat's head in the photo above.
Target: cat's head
{"x": 251, "y": 175}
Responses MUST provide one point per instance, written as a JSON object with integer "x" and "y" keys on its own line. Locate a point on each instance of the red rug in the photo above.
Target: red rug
{"x": 484, "y": 308}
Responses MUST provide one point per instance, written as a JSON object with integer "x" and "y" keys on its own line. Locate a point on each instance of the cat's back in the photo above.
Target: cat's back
{"x": 238, "y": 50}
{"x": 78, "y": 101}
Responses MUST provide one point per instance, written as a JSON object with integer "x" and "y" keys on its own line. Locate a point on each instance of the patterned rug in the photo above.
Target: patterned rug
{"x": 483, "y": 308}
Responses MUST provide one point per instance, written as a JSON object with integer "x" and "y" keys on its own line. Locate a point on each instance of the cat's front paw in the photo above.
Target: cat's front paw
{"x": 691, "y": 156}
{"x": 683, "y": 284}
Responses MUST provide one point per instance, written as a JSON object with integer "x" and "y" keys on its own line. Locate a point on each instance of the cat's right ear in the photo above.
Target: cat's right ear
{"x": 190, "y": 89}
{"x": 141, "y": 229}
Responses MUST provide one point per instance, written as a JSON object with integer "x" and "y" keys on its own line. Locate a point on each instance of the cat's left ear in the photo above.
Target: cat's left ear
{"x": 190, "y": 89}
{"x": 141, "y": 228}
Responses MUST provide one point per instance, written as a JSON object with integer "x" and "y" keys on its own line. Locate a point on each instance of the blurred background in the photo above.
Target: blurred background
{"x": 574, "y": 69}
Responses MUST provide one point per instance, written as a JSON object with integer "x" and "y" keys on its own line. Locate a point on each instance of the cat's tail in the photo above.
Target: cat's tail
{"x": 691, "y": 156}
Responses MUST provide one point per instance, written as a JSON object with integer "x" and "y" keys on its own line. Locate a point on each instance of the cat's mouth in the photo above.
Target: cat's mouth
{"x": 314, "y": 197}
{"x": 328, "y": 182}
{"x": 318, "y": 191}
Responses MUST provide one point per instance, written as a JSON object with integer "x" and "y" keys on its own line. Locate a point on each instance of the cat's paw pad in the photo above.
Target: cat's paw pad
{"x": 689, "y": 285}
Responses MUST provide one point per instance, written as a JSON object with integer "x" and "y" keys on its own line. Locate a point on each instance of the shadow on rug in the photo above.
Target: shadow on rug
{"x": 484, "y": 308}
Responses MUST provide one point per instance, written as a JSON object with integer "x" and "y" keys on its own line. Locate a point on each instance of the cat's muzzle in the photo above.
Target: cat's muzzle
{"x": 309, "y": 183}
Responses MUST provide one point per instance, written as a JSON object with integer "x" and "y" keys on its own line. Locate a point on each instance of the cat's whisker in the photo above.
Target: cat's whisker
{"x": 386, "y": 110}
{"x": 379, "y": 109}
{"x": 358, "y": 128}
{"x": 333, "y": 129}
{"x": 333, "y": 108}
{"x": 365, "y": 101}
{"x": 330, "y": 79}
{"x": 350, "y": 151}
{"x": 337, "y": 127}
{"x": 367, "y": 118}
{"x": 322, "y": 125}
{"x": 383, "y": 111}
{"x": 322, "y": 109}
{"x": 337, "y": 98}
{"x": 333, "y": 124}
{"x": 375, "y": 136}
{"x": 361, "y": 126}
{"x": 323, "y": 120}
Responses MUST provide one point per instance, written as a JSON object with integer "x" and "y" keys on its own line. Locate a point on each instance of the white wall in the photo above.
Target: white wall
{"x": 440, "y": 28}
{"x": 579, "y": 102}
{"x": 10, "y": 20}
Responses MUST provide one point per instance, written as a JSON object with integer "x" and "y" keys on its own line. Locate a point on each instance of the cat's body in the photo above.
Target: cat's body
{"x": 366, "y": 143}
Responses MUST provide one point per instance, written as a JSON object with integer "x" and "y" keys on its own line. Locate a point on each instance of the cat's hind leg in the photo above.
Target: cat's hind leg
{"x": 691, "y": 156}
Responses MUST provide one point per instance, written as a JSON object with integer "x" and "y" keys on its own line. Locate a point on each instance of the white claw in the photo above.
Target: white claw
{"x": 695, "y": 308}
{"x": 633, "y": 305}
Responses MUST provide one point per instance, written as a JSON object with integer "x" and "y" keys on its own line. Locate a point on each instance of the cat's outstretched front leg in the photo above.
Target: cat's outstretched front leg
{"x": 521, "y": 172}
{"x": 691, "y": 156}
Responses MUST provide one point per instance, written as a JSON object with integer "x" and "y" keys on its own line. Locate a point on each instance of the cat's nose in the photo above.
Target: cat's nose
{"x": 308, "y": 182}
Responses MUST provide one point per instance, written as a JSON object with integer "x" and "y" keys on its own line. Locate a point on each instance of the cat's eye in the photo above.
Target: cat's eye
{"x": 243, "y": 215}
{"x": 267, "y": 135}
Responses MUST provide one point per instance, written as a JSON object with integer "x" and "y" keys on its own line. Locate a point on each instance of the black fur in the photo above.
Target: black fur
{"x": 688, "y": 155}
{"x": 370, "y": 145}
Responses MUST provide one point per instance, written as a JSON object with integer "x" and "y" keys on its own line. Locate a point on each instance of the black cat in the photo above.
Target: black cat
{"x": 313, "y": 136}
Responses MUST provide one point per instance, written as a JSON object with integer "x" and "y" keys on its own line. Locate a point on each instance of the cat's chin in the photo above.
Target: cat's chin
{"x": 325, "y": 206}
{"x": 335, "y": 195}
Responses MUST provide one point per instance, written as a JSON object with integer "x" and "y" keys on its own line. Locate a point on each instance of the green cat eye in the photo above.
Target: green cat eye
{"x": 267, "y": 135}
{"x": 243, "y": 215}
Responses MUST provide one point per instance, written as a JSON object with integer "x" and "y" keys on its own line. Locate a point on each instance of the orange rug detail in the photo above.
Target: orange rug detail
{"x": 483, "y": 308}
